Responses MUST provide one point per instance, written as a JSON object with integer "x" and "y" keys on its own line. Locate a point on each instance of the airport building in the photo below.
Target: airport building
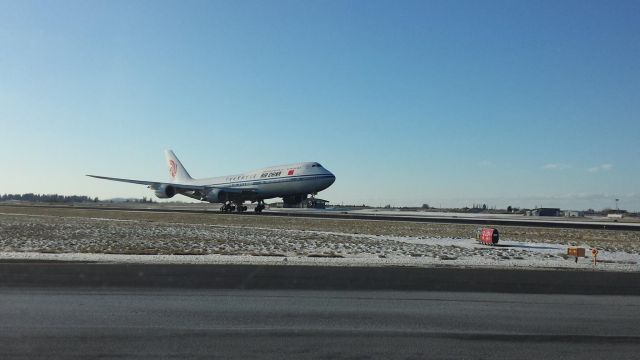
{"x": 573, "y": 213}
{"x": 544, "y": 212}
{"x": 302, "y": 202}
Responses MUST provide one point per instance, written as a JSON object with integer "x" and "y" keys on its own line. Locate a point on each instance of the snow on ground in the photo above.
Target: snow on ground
{"x": 613, "y": 262}
{"x": 29, "y": 237}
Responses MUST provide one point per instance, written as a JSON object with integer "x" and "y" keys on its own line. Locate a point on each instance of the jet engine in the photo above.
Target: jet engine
{"x": 216, "y": 196}
{"x": 165, "y": 191}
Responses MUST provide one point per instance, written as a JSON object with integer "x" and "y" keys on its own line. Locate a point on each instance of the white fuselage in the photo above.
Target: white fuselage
{"x": 276, "y": 181}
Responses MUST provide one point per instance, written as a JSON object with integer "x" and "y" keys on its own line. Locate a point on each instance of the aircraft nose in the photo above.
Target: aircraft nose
{"x": 332, "y": 178}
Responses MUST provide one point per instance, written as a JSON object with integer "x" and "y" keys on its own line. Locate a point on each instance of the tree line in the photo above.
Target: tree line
{"x": 54, "y": 198}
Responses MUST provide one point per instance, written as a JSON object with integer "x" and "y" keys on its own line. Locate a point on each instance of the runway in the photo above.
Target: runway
{"x": 70, "y": 310}
{"x": 385, "y": 216}
{"x": 304, "y": 324}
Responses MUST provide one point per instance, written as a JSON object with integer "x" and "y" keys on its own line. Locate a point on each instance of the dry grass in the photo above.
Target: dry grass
{"x": 174, "y": 233}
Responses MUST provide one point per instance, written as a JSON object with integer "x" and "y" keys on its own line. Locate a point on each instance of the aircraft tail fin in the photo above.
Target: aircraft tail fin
{"x": 177, "y": 172}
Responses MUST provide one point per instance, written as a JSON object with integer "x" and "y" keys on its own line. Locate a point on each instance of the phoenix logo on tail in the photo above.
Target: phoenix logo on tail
{"x": 172, "y": 168}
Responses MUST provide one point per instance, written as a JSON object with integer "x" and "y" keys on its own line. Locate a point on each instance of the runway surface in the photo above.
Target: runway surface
{"x": 301, "y": 324}
{"x": 70, "y": 310}
{"x": 492, "y": 220}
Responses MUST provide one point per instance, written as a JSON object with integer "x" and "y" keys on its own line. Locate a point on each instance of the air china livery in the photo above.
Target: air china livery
{"x": 291, "y": 182}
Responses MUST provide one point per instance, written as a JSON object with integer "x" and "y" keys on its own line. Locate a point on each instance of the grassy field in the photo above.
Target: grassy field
{"x": 58, "y": 229}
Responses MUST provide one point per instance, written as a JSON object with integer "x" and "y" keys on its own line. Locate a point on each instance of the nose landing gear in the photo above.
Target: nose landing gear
{"x": 259, "y": 207}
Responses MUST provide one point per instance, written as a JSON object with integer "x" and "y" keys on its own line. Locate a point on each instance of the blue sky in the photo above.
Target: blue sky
{"x": 442, "y": 102}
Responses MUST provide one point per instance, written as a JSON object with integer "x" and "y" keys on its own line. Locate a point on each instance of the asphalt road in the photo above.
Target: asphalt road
{"x": 294, "y": 277}
{"x": 71, "y": 310}
{"x": 38, "y": 323}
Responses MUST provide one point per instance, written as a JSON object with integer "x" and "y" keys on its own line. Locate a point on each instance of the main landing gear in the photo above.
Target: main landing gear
{"x": 231, "y": 207}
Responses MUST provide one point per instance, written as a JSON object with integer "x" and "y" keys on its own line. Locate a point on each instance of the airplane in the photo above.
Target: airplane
{"x": 292, "y": 182}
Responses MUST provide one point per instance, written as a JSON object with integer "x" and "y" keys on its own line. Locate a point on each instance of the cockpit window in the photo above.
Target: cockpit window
{"x": 316, "y": 165}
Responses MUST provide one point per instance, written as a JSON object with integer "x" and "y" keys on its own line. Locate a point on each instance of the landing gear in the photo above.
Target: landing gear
{"x": 311, "y": 201}
{"x": 259, "y": 207}
{"x": 228, "y": 207}
{"x": 231, "y": 207}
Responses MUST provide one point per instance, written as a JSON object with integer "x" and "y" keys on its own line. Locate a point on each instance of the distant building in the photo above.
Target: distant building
{"x": 544, "y": 212}
{"x": 616, "y": 214}
{"x": 316, "y": 203}
{"x": 573, "y": 213}
{"x": 304, "y": 202}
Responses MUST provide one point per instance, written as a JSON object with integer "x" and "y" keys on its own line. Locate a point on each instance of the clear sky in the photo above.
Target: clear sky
{"x": 449, "y": 103}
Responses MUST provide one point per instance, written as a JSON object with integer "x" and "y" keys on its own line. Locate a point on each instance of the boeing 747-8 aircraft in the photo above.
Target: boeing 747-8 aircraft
{"x": 291, "y": 182}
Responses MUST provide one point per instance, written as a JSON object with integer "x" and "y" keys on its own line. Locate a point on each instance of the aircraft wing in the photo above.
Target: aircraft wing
{"x": 141, "y": 182}
{"x": 178, "y": 186}
{"x": 151, "y": 184}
